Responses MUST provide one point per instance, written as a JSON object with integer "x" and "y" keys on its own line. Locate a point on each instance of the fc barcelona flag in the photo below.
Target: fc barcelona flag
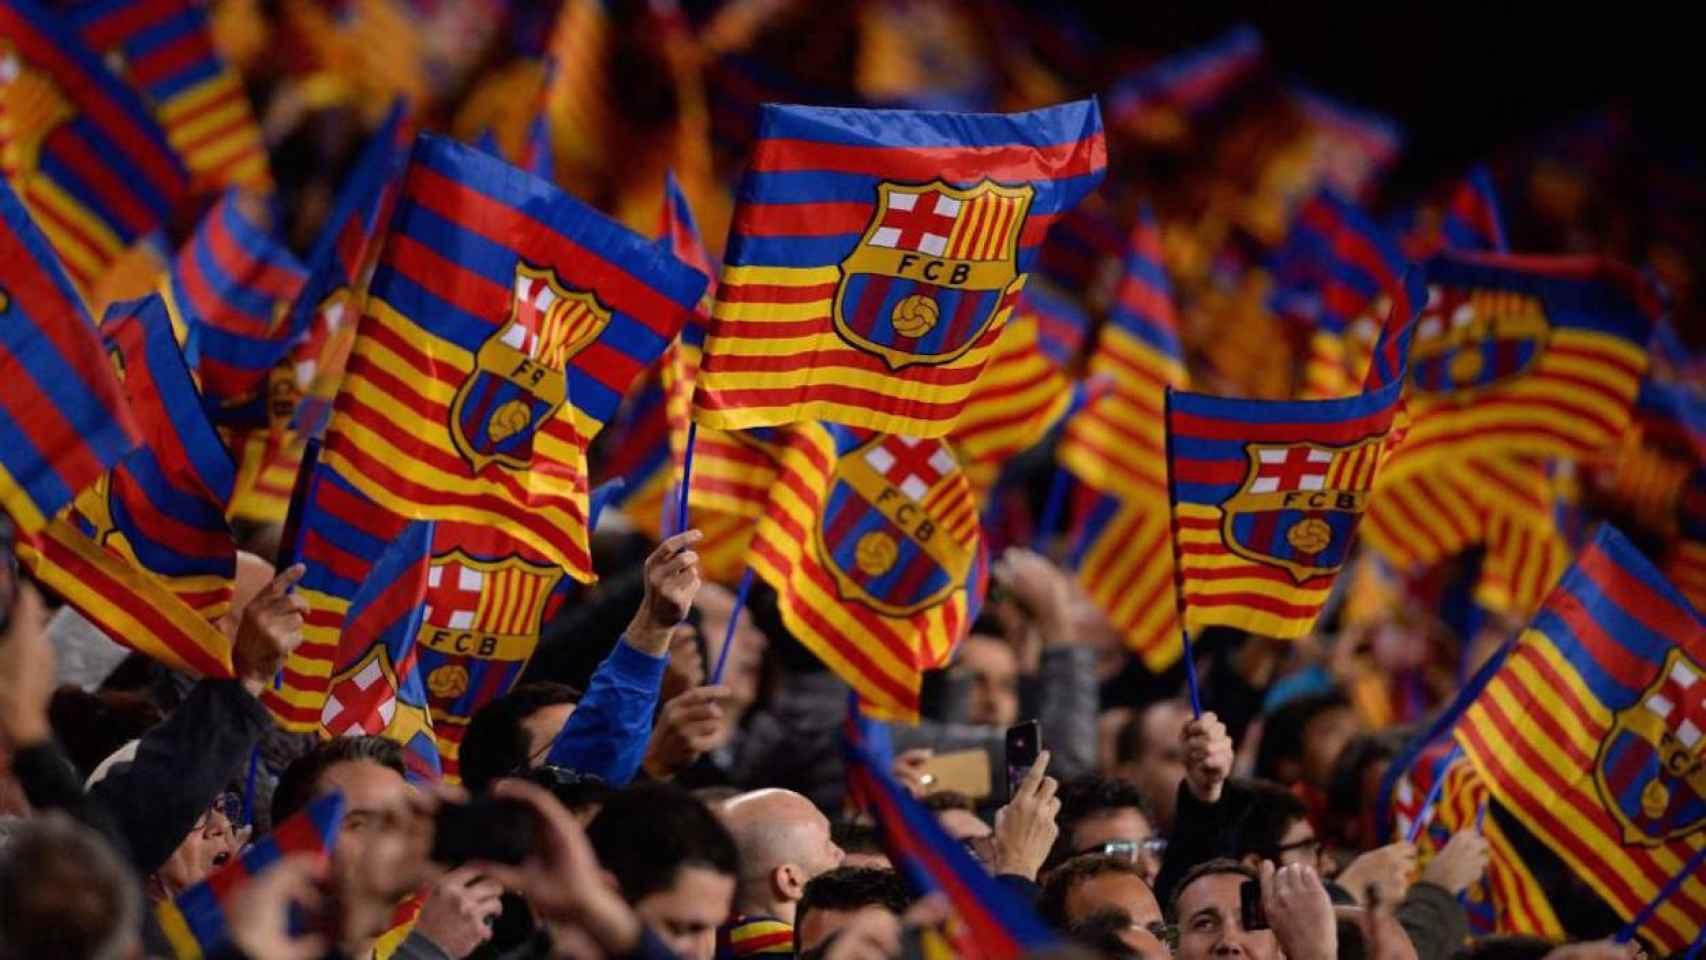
{"x": 872, "y": 544}
{"x": 377, "y": 689}
{"x": 195, "y": 923}
{"x": 503, "y": 325}
{"x": 63, "y": 419}
{"x": 1468, "y": 219}
{"x": 1524, "y": 355}
{"x": 1021, "y": 396}
{"x": 875, "y": 257}
{"x": 165, "y": 49}
{"x": 1591, "y": 734}
{"x": 1267, "y": 495}
{"x": 65, "y": 121}
{"x": 145, "y": 553}
{"x": 1123, "y": 552}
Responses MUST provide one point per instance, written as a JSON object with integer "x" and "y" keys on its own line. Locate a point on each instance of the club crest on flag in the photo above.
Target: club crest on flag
{"x": 880, "y": 534}
{"x": 933, "y": 268}
{"x": 518, "y": 380}
{"x": 1299, "y": 505}
{"x": 33, "y": 106}
{"x": 1651, "y": 770}
{"x": 1469, "y": 339}
{"x": 363, "y": 698}
{"x": 482, "y": 616}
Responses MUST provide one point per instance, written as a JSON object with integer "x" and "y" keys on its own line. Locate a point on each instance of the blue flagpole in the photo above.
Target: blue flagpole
{"x": 1688, "y": 872}
{"x": 686, "y": 478}
{"x": 1053, "y": 505}
{"x": 729, "y": 632}
{"x": 1415, "y": 830}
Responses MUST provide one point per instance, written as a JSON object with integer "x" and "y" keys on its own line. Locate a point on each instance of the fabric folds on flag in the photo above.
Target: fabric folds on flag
{"x": 1123, "y": 552}
{"x": 1022, "y": 395}
{"x": 195, "y": 923}
{"x": 145, "y": 554}
{"x": 872, "y": 544}
{"x": 875, "y": 257}
{"x": 164, "y": 48}
{"x": 65, "y": 121}
{"x": 63, "y": 417}
{"x": 988, "y": 921}
{"x": 503, "y": 325}
{"x": 1159, "y": 101}
{"x": 1590, "y": 733}
{"x": 1467, "y": 220}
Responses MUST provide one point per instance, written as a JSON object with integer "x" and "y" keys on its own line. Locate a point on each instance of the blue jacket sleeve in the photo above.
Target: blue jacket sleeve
{"x": 609, "y": 730}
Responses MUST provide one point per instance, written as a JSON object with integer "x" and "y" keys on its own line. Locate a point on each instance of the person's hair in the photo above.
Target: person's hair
{"x": 1100, "y": 931}
{"x": 1283, "y": 730}
{"x": 1062, "y": 880}
{"x": 853, "y": 836}
{"x": 846, "y": 889}
{"x": 645, "y": 834}
{"x": 90, "y": 726}
{"x": 65, "y": 893}
{"x": 301, "y": 780}
{"x": 1507, "y": 946}
{"x": 577, "y": 792}
{"x": 1344, "y": 783}
{"x": 1271, "y": 812}
{"x": 948, "y": 800}
{"x": 1086, "y": 796}
{"x": 1208, "y": 868}
{"x": 495, "y": 744}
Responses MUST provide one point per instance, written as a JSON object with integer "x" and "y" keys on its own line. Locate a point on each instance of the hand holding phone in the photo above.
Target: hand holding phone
{"x": 1024, "y": 743}
{"x": 490, "y": 829}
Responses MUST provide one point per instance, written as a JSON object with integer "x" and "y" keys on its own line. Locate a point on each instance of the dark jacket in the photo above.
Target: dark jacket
{"x": 1435, "y": 921}
{"x": 1201, "y": 832}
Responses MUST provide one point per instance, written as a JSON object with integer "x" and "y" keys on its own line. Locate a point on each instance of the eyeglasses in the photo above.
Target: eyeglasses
{"x": 1311, "y": 846}
{"x": 228, "y": 805}
{"x": 1131, "y": 850}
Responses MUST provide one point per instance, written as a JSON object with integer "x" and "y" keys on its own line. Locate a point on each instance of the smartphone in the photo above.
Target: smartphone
{"x": 1024, "y": 742}
{"x": 961, "y": 771}
{"x": 494, "y": 829}
{"x": 1252, "y": 915}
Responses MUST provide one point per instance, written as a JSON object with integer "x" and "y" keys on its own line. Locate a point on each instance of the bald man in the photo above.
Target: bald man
{"x": 784, "y": 842}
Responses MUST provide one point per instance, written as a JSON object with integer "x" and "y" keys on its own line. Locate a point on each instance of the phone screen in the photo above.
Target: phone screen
{"x": 1250, "y": 903}
{"x": 1024, "y": 742}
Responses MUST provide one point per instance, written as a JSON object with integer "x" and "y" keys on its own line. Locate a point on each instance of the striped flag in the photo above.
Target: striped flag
{"x": 145, "y": 553}
{"x": 1122, "y": 549}
{"x": 1159, "y": 101}
{"x": 1022, "y": 395}
{"x": 164, "y": 48}
{"x": 503, "y": 325}
{"x": 64, "y": 121}
{"x": 194, "y": 922}
{"x": 1467, "y": 219}
{"x": 63, "y": 418}
{"x": 872, "y": 544}
{"x": 875, "y": 257}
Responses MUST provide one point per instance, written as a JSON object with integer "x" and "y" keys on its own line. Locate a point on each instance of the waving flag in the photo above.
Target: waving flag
{"x": 1021, "y": 396}
{"x": 875, "y": 258}
{"x": 145, "y": 553}
{"x": 63, "y": 419}
{"x": 1540, "y": 356}
{"x": 638, "y": 451}
{"x": 1353, "y": 147}
{"x": 503, "y": 325}
{"x": 872, "y": 544}
{"x": 1590, "y": 733}
{"x": 1267, "y": 495}
{"x": 1123, "y": 551}
{"x": 195, "y": 923}
{"x": 1160, "y": 100}
{"x": 989, "y": 920}
{"x": 377, "y": 688}
{"x": 1467, "y": 220}
{"x": 64, "y": 120}
{"x": 165, "y": 49}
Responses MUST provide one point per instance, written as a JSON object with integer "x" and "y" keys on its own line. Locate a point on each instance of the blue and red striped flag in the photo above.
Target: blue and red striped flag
{"x": 146, "y": 554}
{"x": 195, "y": 922}
{"x": 875, "y": 257}
{"x": 165, "y": 49}
{"x": 1267, "y": 495}
{"x": 1160, "y": 100}
{"x": 1353, "y": 146}
{"x": 1467, "y": 219}
{"x": 1592, "y": 732}
{"x": 377, "y": 687}
{"x": 503, "y": 325}
{"x": 989, "y": 920}
{"x": 80, "y": 148}
{"x": 63, "y": 418}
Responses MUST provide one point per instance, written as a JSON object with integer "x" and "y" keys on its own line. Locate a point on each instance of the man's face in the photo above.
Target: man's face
{"x": 994, "y": 673}
{"x": 1110, "y": 890}
{"x": 1324, "y": 737}
{"x": 1210, "y": 923}
{"x": 687, "y": 914}
{"x": 1299, "y": 846}
{"x": 819, "y": 854}
{"x": 1161, "y": 766}
{"x": 542, "y": 726}
{"x": 977, "y": 836}
{"x": 210, "y": 845}
{"x": 381, "y": 850}
{"x": 1122, "y": 824}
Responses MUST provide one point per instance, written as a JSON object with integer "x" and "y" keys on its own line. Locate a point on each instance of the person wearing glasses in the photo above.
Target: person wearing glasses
{"x": 216, "y": 838}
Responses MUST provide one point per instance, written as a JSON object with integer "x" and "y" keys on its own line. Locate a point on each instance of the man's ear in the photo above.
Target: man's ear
{"x": 789, "y": 881}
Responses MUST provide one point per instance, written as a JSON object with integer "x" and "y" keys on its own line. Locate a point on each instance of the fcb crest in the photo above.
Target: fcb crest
{"x": 1467, "y": 339}
{"x": 481, "y": 625}
{"x": 518, "y": 381}
{"x": 884, "y": 533}
{"x": 1299, "y": 505}
{"x": 1651, "y": 770}
{"x": 363, "y": 698}
{"x": 935, "y": 266}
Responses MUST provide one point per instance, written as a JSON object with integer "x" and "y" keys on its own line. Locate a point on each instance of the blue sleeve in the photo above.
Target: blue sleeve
{"x": 608, "y": 733}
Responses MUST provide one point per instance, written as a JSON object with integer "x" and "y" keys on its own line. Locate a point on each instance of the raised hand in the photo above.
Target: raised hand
{"x": 269, "y": 627}
{"x": 689, "y": 725}
{"x": 1300, "y": 912}
{"x": 1208, "y": 756}
{"x": 1025, "y": 829}
{"x": 672, "y": 580}
{"x": 1461, "y": 862}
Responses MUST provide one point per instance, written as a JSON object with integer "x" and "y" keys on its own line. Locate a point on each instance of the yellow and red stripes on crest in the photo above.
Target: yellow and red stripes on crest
{"x": 984, "y": 228}
{"x": 1353, "y": 470}
{"x": 512, "y": 602}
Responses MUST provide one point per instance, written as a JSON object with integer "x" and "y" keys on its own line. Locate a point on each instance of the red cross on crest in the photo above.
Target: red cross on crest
{"x": 917, "y": 221}
{"x": 365, "y": 698}
{"x": 1681, "y": 702}
{"x": 911, "y": 464}
{"x": 1291, "y": 468}
{"x": 453, "y": 595}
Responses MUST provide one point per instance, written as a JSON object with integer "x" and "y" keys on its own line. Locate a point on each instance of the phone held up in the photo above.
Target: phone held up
{"x": 1024, "y": 743}
{"x": 490, "y": 829}
{"x": 1253, "y": 916}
